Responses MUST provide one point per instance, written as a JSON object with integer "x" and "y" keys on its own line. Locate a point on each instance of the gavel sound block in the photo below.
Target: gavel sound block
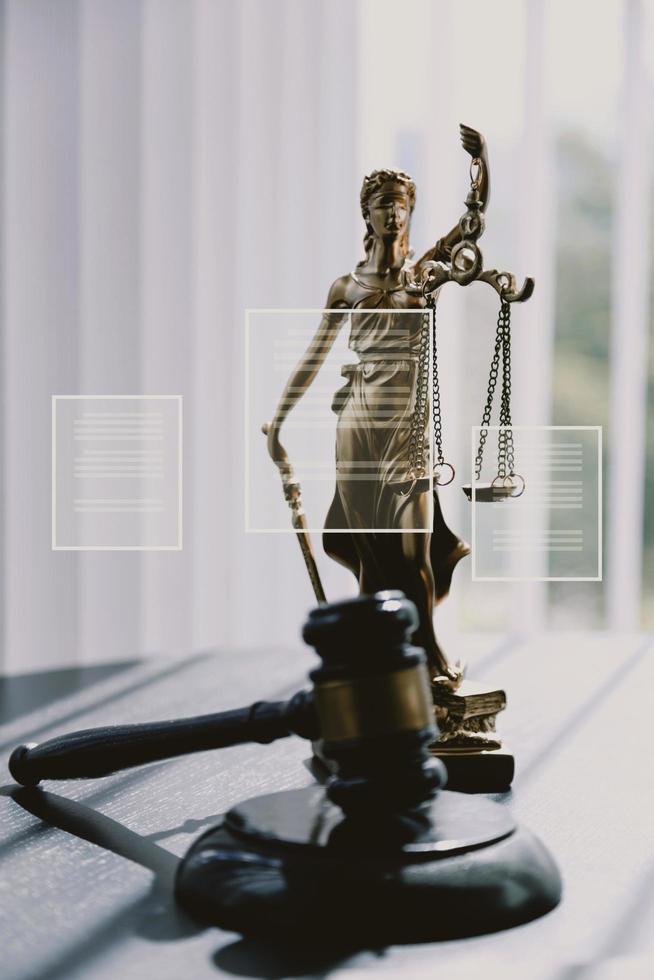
{"x": 382, "y": 854}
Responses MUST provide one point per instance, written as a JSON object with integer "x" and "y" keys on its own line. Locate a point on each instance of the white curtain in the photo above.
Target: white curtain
{"x": 165, "y": 164}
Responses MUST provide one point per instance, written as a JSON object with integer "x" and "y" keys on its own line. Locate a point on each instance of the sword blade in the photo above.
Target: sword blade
{"x": 300, "y": 525}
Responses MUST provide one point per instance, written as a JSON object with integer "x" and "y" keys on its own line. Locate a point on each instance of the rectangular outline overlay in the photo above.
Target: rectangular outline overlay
{"x": 540, "y": 428}
{"x": 246, "y": 389}
{"x": 180, "y": 509}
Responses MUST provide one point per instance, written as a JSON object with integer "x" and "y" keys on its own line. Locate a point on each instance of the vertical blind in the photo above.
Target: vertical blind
{"x": 165, "y": 165}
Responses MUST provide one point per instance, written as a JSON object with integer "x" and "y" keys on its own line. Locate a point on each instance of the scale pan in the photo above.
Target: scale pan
{"x": 489, "y": 493}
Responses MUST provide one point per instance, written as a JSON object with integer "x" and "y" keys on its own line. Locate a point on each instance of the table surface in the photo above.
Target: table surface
{"x": 86, "y": 874}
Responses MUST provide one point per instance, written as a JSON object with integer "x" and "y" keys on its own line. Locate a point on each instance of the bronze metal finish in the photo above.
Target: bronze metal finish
{"x": 419, "y": 563}
{"x": 360, "y": 707}
{"x": 293, "y": 497}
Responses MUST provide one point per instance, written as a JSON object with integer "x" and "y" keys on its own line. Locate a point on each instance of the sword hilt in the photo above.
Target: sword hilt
{"x": 291, "y": 487}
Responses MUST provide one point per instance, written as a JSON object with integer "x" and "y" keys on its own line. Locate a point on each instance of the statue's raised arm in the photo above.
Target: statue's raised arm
{"x": 474, "y": 144}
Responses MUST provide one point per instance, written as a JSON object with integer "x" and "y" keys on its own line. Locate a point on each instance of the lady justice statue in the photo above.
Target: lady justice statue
{"x": 379, "y": 432}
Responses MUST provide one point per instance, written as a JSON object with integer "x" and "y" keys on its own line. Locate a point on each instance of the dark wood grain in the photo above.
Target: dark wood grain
{"x": 86, "y": 867}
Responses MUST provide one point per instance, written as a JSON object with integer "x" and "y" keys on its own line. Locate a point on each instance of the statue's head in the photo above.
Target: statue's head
{"x": 387, "y": 201}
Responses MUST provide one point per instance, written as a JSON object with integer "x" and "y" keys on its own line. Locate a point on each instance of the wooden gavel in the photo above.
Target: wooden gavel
{"x": 371, "y": 692}
{"x": 380, "y": 837}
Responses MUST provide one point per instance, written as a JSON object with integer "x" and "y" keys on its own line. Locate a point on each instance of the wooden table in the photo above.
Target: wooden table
{"x": 86, "y": 892}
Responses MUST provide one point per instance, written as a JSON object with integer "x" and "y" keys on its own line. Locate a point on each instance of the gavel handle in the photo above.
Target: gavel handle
{"x": 100, "y": 751}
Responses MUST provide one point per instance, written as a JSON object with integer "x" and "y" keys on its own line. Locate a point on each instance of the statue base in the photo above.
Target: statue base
{"x": 290, "y": 868}
{"x": 476, "y": 770}
{"x": 467, "y": 743}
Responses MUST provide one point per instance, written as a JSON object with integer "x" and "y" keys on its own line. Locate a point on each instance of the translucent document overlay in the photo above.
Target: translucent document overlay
{"x": 553, "y": 530}
{"x": 347, "y": 435}
{"x": 117, "y": 473}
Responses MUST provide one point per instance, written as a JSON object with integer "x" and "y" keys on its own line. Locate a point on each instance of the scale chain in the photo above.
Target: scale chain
{"x": 419, "y": 416}
{"x": 492, "y": 382}
{"x": 505, "y": 461}
{"x": 505, "y": 456}
{"x": 502, "y": 350}
{"x": 436, "y": 395}
{"x": 417, "y": 462}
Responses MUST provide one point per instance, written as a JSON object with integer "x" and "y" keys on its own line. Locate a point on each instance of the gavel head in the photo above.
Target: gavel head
{"x": 374, "y": 704}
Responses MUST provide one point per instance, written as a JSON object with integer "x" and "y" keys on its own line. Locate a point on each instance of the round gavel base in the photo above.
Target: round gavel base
{"x": 288, "y": 867}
